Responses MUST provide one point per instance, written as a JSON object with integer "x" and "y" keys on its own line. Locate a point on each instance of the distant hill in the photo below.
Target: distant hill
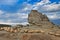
{"x": 5, "y": 25}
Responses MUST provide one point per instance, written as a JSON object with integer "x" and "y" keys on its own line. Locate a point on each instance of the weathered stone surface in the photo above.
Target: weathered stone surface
{"x": 37, "y": 18}
{"x": 38, "y": 37}
{"x": 8, "y": 36}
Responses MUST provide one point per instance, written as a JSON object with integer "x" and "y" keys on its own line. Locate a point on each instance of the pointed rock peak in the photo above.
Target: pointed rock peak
{"x": 34, "y": 11}
{"x": 36, "y": 17}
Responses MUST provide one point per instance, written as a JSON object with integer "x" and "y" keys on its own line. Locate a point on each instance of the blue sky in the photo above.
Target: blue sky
{"x": 16, "y": 11}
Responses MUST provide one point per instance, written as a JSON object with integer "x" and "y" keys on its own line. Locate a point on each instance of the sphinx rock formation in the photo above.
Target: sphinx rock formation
{"x": 36, "y": 18}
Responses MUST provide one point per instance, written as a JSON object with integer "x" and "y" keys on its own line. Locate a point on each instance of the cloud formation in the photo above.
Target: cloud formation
{"x": 8, "y": 2}
{"x": 52, "y": 10}
{"x": 13, "y": 17}
{"x": 47, "y": 7}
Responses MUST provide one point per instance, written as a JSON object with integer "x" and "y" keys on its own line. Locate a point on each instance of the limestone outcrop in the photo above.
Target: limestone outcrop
{"x": 37, "y": 18}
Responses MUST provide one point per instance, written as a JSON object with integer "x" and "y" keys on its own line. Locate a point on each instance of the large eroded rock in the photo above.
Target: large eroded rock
{"x": 37, "y": 18}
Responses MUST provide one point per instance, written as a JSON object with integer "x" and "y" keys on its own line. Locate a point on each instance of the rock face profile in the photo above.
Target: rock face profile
{"x": 37, "y": 18}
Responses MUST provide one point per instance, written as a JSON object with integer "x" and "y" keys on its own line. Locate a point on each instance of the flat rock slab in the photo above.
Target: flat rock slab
{"x": 7, "y": 36}
{"x": 40, "y": 36}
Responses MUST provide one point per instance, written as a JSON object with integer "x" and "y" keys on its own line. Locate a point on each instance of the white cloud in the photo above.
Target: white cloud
{"x": 46, "y": 1}
{"x": 46, "y": 7}
{"x": 43, "y": 2}
{"x": 54, "y": 17}
{"x": 8, "y": 2}
{"x": 5, "y": 21}
{"x": 27, "y": 7}
{"x": 13, "y": 24}
{"x": 1, "y": 12}
{"x": 13, "y": 17}
{"x": 24, "y": 23}
{"x": 22, "y": 15}
{"x": 51, "y": 7}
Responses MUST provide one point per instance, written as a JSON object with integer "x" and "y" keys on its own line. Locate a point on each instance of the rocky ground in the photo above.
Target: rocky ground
{"x": 31, "y": 35}
{"x": 7, "y": 36}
